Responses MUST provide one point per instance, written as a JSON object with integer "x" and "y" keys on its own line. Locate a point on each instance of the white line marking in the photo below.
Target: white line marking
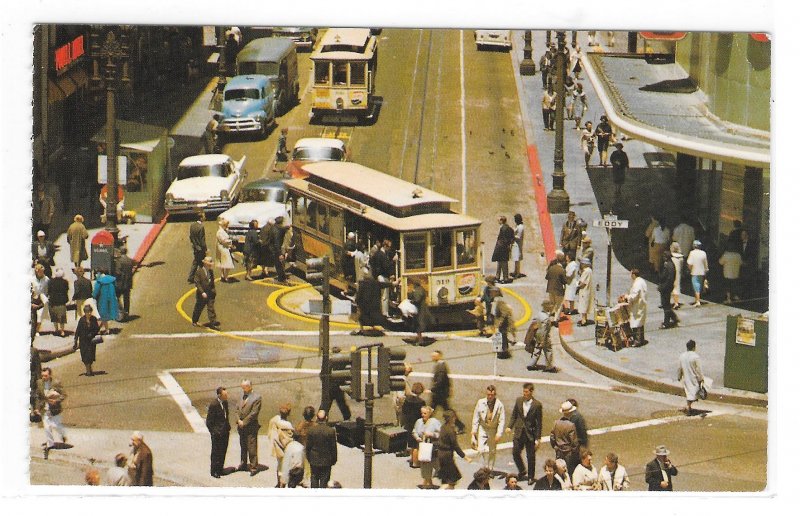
{"x": 292, "y": 333}
{"x": 410, "y": 105}
{"x": 463, "y": 132}
{"x": 184, "y": 403}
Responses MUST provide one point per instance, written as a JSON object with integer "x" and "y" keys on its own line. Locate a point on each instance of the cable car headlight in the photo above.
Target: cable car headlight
{"x": 442, "y": 294}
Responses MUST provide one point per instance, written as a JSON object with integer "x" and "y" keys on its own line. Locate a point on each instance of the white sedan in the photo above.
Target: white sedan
{"x": 210, "y": 182}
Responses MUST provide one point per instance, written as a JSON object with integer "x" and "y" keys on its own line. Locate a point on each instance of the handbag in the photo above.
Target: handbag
{"x": 97, "y": 340}
{"x": 497, "y": 342}
{"x": 702, "y": 393}
{"x": 425, "y": 451}
{"x": 706, "y": 286}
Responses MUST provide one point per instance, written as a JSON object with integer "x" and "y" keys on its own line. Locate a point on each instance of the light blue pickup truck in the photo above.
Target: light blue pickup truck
{"x": 249, "y": 105}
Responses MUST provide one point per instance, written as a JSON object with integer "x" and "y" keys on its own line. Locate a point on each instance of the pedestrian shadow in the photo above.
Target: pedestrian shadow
{"x": 154, "y": 263}
{"x": 95, "y": 373}
{"x": 61, "y": 446}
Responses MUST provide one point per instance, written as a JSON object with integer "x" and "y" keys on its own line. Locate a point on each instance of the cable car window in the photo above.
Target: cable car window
{"x": 301, "y": 211}
{"x": 312, "y": 214}
{"x": 358, "y": 75}
{"x": 336, "y": 219}
{"x": 322, "y": 219}
{"x": 415, "y": 252}
{"x": 340, "y": 74}
{"x": 322, "y": 72}
{"x": 467, "y": 246}
{"x": 442, "y": 248}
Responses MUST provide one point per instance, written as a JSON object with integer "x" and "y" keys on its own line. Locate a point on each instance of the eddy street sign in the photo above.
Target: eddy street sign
{"x": 610, "y": 223}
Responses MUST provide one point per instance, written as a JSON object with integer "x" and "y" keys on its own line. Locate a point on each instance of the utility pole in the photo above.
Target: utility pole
{"x": 369, "y": 422}
{"x": 558, "y": 198}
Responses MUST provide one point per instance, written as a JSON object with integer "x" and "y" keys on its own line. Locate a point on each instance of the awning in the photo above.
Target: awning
{"x": 67, "y": 84}
{"x": 679, "y": 122}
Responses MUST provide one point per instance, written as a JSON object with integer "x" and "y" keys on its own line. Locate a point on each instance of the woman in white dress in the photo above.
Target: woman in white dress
{"x": 571, "y": 292}
{"x": 516, "y": 247}
{"x": 224, "y": 243}
{"x": 585, "y": 292}
{"x": 677, "y": 260}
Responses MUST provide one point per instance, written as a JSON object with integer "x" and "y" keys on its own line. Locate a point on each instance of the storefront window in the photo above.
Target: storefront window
{"x": 467, "y": 247}
{"x": 442, "y": 248}
{"x": 415, "y": 252}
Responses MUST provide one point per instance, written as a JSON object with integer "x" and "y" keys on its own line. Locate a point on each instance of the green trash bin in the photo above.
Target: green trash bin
{"x": 746, "y": 354}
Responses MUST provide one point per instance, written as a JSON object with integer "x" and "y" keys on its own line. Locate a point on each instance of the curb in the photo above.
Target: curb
{"x": 655, "y": 385}
{"x": 148, "y": 241}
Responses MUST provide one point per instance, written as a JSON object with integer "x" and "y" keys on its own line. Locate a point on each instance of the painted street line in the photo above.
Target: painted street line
{"x": 184, "y": 403}
{"x": 300, "y": 333}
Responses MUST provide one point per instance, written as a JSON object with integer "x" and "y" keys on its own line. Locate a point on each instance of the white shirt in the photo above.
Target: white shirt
{"x": 660, "y": 236}
{"x": 731, "y": 262}
{"x": 526, "y": 406}
{"x": 697, "y": 261}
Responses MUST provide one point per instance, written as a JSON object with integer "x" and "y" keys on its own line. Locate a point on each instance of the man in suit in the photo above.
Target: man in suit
{"x": 49, "y": 397}
{"x": 219, "y": 427}
{"x": 526, "y": 423}
{"x": 580, "y": 423}
{"x": 440, "y": 387}
{"x": 140, "y": 465}
{"x": 321, "y": 451}
{"x": 247, "y": 423}
{"x": 206, "y": 293}
{"x": 658, "y": 473}
{"x": 197, "y": 237}
{"x": 123, "y": 272}
{"x": 277, "y": 233}
{"x": 502, "y": 250}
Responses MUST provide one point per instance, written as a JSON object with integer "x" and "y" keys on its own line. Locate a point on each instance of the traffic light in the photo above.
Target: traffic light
{"x": 317, "y": 273}
{"x": 391, "y": 370}
{"x": 346, "y": 373}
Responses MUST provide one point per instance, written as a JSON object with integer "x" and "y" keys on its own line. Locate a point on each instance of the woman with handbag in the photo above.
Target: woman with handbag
{"x": 426, "y": 433}
{"x": 85, "y": 334}
{"x": 224, "y": 244}
{"x": 448, "y": 444}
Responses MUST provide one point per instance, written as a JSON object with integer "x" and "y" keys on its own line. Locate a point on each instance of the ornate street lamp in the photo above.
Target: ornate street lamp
{"x": 558, "y": 198}
{"x": 110, "y": 51}
{"x": 527, "y": 66}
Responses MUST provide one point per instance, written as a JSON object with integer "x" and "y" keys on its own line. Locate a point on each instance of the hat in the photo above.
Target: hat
{"x": 697, "y": 243}
{"x": 351, "y": 235}
{"x": 618, "y": 145}
{"x": 661, "y": 450}
{"x": 40, "y": 233}
{"x": 58, "y": 273}
{"x": 566, "y": 407}
{"x": 586, "y": 261}
{"x": 561, "y": 463}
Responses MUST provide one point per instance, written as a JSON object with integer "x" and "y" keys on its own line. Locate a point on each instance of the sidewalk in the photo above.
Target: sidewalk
{"x": 646, "y": 190}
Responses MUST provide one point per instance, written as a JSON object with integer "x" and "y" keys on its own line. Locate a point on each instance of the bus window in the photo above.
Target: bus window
{"x": 336, "y": 224}
{"x": 415, "y": 252}
{"x": 466, "y": 246}
{"x": 442, "y": 248}
{"x": 340, "y": 74}
{"x": 358, "y": 76}
{"x": 312, "y": 214}
{"x": 322, "y": 72}
{"x": 301, "y": 211}
{"x": 322, "y": 219}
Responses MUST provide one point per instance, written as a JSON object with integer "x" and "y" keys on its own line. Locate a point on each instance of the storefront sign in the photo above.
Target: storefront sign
{"x": 68, "y": 53}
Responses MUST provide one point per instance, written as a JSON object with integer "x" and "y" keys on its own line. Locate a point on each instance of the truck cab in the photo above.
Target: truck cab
{"x": 248, "y": 105}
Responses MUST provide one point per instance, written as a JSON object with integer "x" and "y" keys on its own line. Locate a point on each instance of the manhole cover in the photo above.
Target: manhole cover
{"x": 623, "y": 388}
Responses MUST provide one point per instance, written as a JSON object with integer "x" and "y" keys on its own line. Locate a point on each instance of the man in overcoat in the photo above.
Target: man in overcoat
{"x": 321, "y": 451}
{"x": 248, "y": 409}
{"x": 502, "y": 250}
{"x": 526, "y": 423}
{"x": 219, "y": 427}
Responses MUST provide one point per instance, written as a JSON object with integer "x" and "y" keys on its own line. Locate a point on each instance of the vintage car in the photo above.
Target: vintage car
{"x": 249, "y": 104}
{"x": 315, "y": 149}
{"x": 261, "y": 200}
{"x": 493, "y": 38}
{"x": 211, "y": 182}
{"x": 303, "y": 37}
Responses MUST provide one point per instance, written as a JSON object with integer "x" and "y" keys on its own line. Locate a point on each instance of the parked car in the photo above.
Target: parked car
{"x": 493, "y": 38}
{"x": 315, "y": 149}
{"x": 260, "y": 200}
{"x": 248, "y": 105}
{"x": 303, "y": 37}
{"x": 211, "y": 182}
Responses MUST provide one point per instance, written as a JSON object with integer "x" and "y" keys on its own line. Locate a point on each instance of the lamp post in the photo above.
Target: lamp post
{"x": 106, "y": 46}
{"x": 527, "y": 66}
{"x": 558, "y": 198}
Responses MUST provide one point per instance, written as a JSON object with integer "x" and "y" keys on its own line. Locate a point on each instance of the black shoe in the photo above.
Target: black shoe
{"x": 253, "y": 472}
{"x": 216, "y": 475}
{"x": 45, "y": 451}
{"x": 531, "y": 368}
{"x": 215, "y": 324}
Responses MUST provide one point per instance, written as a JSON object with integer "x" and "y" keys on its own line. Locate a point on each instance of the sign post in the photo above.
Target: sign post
{"x": 609, "y": 222}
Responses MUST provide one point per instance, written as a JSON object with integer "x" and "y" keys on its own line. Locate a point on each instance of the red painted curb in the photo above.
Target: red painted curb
{"x": 545, "y": 224}
{"x": 147, "y": 243}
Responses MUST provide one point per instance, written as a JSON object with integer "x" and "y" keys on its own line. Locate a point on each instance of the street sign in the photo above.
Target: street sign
{"x": 338, "y": 307}
{"x": 102, "y": 169}
{"x": 610, "y": 223}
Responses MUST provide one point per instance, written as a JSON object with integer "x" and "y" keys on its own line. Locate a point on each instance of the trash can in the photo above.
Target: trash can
{"x": 102, "y": 251}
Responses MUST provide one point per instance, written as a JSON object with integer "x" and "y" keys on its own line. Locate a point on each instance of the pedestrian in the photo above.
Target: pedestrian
{"x": 441, "y": 387}
{"x": 448, "y": 444}
{"x": 587, "y": 143}
{"x": 301, "y": 434}
{"x": 504, "y": 321}
{"x": 348, "y": 257}
{"x": 619, "y": 166}
{"x": 658, "y": 236}
{"x": 410, "y": 412}
{"x": 426, "y": 429}
{"x": 423, "y": 319}
{"x": 549, "y": 481}
{"x": 37, "y": 305}
{"x": 77, "y": 236}
{"x": 502, "y": 250}
{"x": 658, "y": 472}
{"x": 537, "y": 339}
{"x": 570, "y": 234}
{"x": 749, "y": 252}
{"x": 480, "y": 480}
{"x": 58, "y": 295}
{"x": 247, "y": 411}
{"x": 526, "y": 425}
{"x": 578, "y": 420}
{"x": 92, "y": 477}
{"x": 123, "y": 272}
{"x": 40, "y": 285}
{"x": 81, "y": 290}
{"x": 205, "y": 293}
{"x": 230, "y": 50}
{"x": 736, "y": 234}
{"x": 36, "y": 374}
{"x": 637, "y": 300}
{"x": 223, "y": 250}
{"x": 294, "y": 456}
{"x": 321, "y": 451}
{"x": 265, "y": 238}
{"x": 479, "y": 313}
{"x": 556, "y": 278}
{"x": 677, "y": 262}
{"x": 85, "y": 333}
{"x": 383, "y": 267}
{"x": 197, "y": 237}
{"x": 517, "y": 246}
{"x": 586, "y": 250}
{"x": 50, "y": 396}
{"x": 43, "y": 210}
{"x": 564, "y": 439}
{"x": 545, "y": 62}
{"x": 548, "y": 108}
{"x": 140, "y": 465}
{"x": 512, "y": 483}
{"x": 666, "y": 284}
{"x": 580, "y": 105}
{"x": 569, "y": 95}
{"x": 572, "y": 272}
{"x": 562, "y": 475}
{"x": 697, "y": 261}
{"x": 490, "y": 293}
{"x": 250, "y": 249}
{"x": 43, "y": 252}
{"x": 488, "y": 423}
{"x": 106, "y": 296}
{"x": 118, "y": 475}
{"x": 211, "y": 135}
{"x": 219, "y": 426}
{"x": 613, "y": 476}
{"x": 585, "y": 292}
{"x": 690, "y": 373}
{"x": 603, "y": 133}
{"x": 278, "y": 251}
{"x": 731, "y": 261}
{"x": 361, "y": 259}
{"x": 683, "y": 234}
{"x": 585, "y": 477}
{"x": 282, "y": 152}
{"x": 278, "y": 430}
{"x": 576, "y": 62}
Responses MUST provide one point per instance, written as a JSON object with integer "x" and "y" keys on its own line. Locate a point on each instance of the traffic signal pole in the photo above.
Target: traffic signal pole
{"x": 324, "y": 323}
{"x": 369, "y": 423}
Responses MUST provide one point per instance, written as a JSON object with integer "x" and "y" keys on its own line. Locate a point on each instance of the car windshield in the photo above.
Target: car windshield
{"x": 218, "y": 170}
{"x": 264, "y": 194}
{"x": 241, "y": 94}
{"x": 318, "y": 154}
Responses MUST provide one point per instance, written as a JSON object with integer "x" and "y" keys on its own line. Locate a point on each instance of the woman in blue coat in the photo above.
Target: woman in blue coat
{"x": 106, "y": 295}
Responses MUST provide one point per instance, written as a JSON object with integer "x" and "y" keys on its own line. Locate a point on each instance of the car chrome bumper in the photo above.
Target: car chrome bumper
{"x": 181, "y": 207}
{"x": 239, "y": 125}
